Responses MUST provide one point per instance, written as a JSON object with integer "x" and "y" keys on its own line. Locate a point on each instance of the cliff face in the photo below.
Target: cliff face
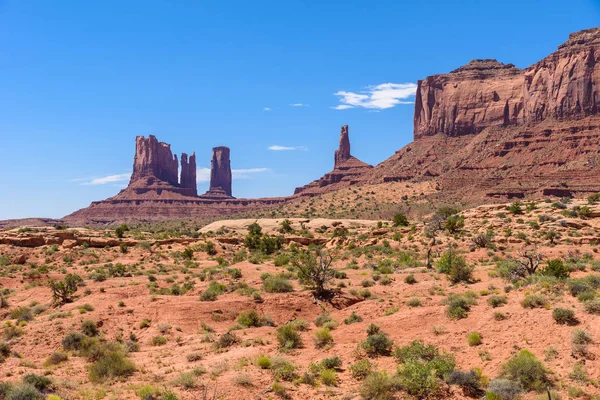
{"x": 346, "y": 170}
{"x": 489, "y": 130}
{"x": 487, "y": 93}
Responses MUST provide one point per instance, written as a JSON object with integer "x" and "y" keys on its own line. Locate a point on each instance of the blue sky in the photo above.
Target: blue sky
{"x": 80, "y": 79}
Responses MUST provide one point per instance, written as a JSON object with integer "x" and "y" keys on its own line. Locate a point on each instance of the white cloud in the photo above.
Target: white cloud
{"x": 342, "y": 107}
{"x": 245, "y": 173}
{"x": 286, "y": 148}
{"x": 299, "y": 105}
{"x": 103, "y": 180}
{"x": 203, "y": 174}
{"x": 380, "y": 97}
{"x": 266, "y": 109}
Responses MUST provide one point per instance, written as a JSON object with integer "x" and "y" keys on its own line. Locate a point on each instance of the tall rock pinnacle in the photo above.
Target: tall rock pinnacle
{"x": 343, "y": 153}
{"x": 220, "y": 173}
{"x": 188, "y": 172}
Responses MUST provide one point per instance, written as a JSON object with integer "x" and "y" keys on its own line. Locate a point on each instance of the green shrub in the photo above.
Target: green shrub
{"x": 413, "y": 302}
{"x": 410, "y": 279}
{"x": 534, "y": 301}
{"x": 497, "y": 301}
{"x": 557, "y": 269}
{"x": 526, "y": 369}
{"x": 110, "y": 366}
{"x": 73, "y": 341}
{"x": 288, "y": 337}
{"x": 592, "y": 306}
{"x": 263, "y": 362}
{"x": 323, "y": 338}
{"x": 21, "y": 314}
{"x": 158, "y": 341}
{"x": 419, "y": 379}
{"x": 400, "y": 220}
{"x": 56, "y": 358}
{"x": 377, "y": 342}
{"x": 474, "y": 339}
{"x": 564, "y": 316}
{"x": 334, "y": 362}
{"x": 227, "y": 340}
{"x": 24, "y": 392}
{"x": 39, "y": 382}
{"x": 329, "y": 377}
{"x": 361, "y": 369}
{"x": 470, "y": 382}
{"x": 353, "y": 318}
{"x": 89, "y": 328}
{"x": 251, "y": 318}
{"x": 504, "y": 389}
{"x": 455, "y": 267}
{"x": 458, "y": 306}
{"x": 213, "y": 291}
{"x": 63, "y": 291}
{"x": 378, "y": 386}
{"x": 454, "y": 223}
{"x": 277, "y": 284}
{"x": 186, "y": 380}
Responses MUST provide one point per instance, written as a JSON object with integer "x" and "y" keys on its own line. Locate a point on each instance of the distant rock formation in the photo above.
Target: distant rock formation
{"x": 188, "y": 172}
{"x": 346, "y": 169}
{"x": 486, "y": 93}
{"x": 155, "y": 170}
{"x": 343, "y": 153}
{"x": 155, "y": 194}
{"x": 220, "y": 174}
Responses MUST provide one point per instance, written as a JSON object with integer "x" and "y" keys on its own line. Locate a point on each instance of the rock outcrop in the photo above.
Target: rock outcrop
{"x": 486, "y": 93}
{"x": 346, "y": 170}
{"x": 153, "y": 159}
{"x": 154, "y": 193}
{"x": 155, "y": 170}
{"x": 220, "y": 174}
{"x": 489, "y": 130}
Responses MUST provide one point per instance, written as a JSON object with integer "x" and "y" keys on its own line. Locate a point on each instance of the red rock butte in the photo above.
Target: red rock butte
{"x": 155, "y": 193}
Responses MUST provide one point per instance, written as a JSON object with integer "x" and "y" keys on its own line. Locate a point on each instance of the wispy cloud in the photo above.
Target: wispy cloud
{"x": 104, "y": 180}
{"x": 203, "y": 174}
{"x": 379, "y": 97}
{"x": 266, "y": 109}
{"x": 286, "y": 148}
{"x": 298, "y": 105}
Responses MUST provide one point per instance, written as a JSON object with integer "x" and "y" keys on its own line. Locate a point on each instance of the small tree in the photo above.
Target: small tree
{"x": 455, "y": 223}
{"x": 552, "y": 235}
{"x": 63, "y": 291}
{"x": 188, "y": 253}
{"x": 315, "y": 271}
{"x": 286, "y": 226}
{"x": 528, "y": 262}
{"x": 557, "y": 269}
{"x": 121, "y": 229}
{"x": 400, "y": 220}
